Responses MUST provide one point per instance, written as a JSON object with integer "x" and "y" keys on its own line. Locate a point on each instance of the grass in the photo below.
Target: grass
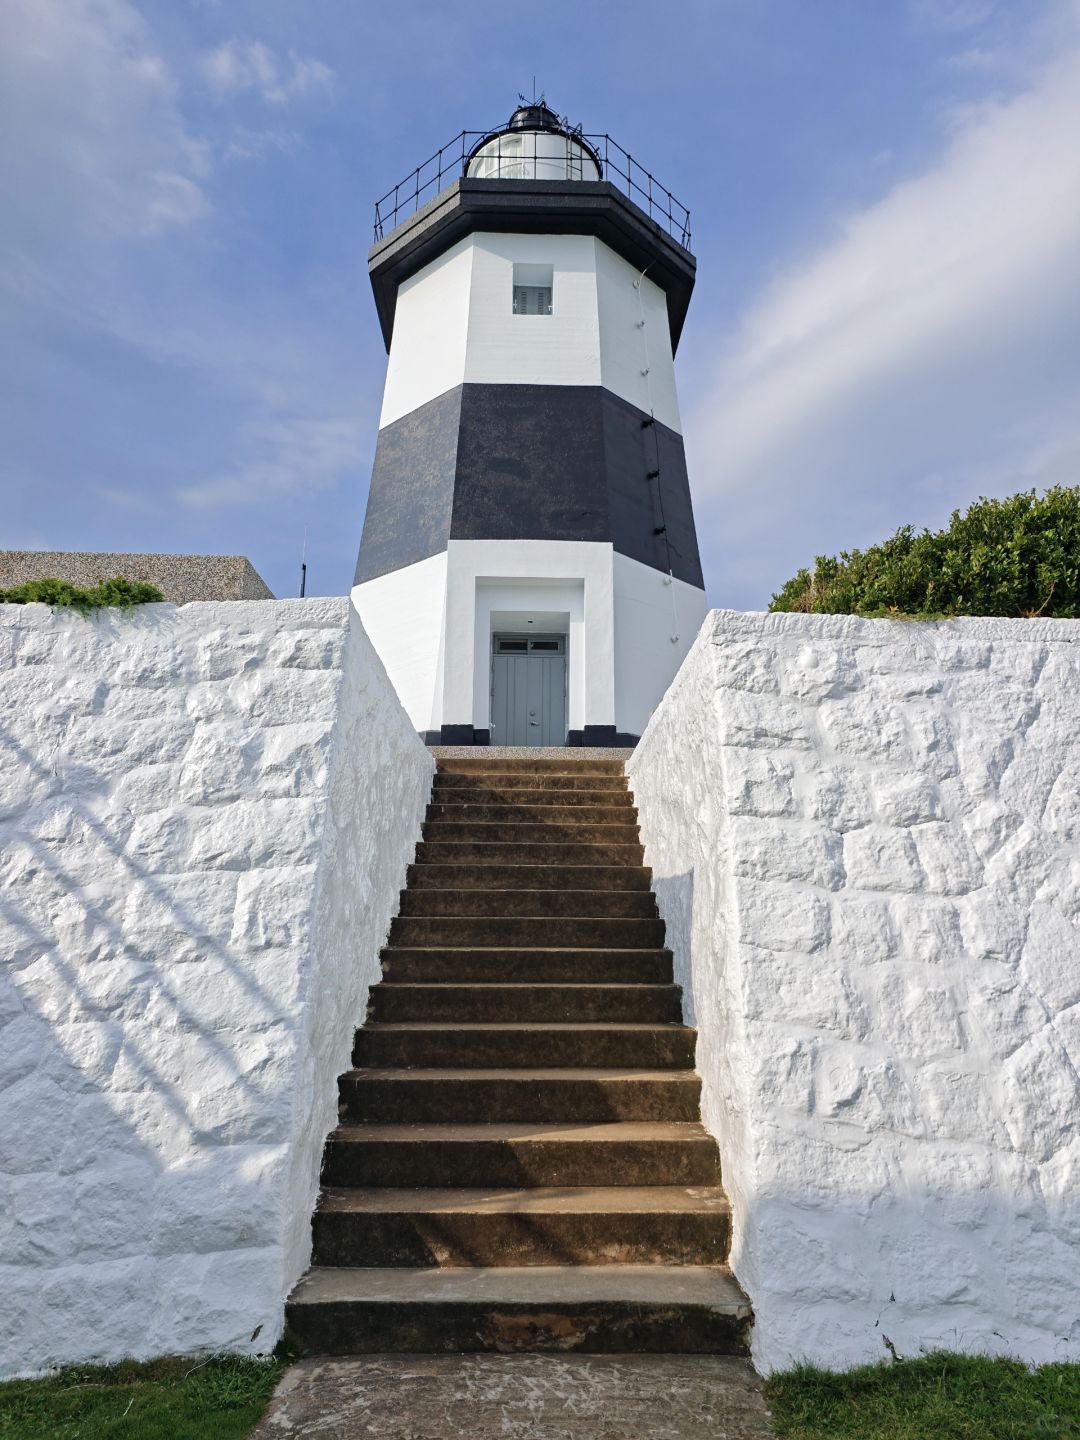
{"x": 936, "y": 1397}
{"x": 172, "y": 1399}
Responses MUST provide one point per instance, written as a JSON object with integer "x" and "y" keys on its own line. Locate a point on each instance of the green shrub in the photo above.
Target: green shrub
{"x": 1015, "y": 557}
{"x": 117, "y": 592}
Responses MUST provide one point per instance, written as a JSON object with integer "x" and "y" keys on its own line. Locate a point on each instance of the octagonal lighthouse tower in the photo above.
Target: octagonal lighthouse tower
{"x": 529, "y": 569}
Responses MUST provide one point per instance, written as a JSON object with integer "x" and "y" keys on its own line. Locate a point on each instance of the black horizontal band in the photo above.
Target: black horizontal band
{"x": 529, "y": 462}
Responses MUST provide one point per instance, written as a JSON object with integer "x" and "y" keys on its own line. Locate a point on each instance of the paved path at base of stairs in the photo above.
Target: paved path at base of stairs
{"x": 518, "y": 1397}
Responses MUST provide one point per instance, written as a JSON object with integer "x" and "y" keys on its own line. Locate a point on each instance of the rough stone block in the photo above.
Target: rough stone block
{"x": 1042, "y": 1096}
{"x": 110, "y": 1217}
{"x": 760, "y": 784}
{"x": 1050, "y": 961}
{"x": 286, "y": 697}
{"x": 929, "y": 928}
{"x": 256, "y": 834}
{"x": 220, "y": 1200}
{"x": 1003, "y": 1010}
{"x": 864, "y": 929}
{"x": 839, "y": 798}
{"x": 877, "y": 858}
{"x": 947, "y": 860}
{"x": 221, "y": 654}
{"x": 763, "y": 850}
{"x": 819, "y": 672}
{"x": 933, "y": 741}
{"x": 782, "y": 917}
{"x": 784, "y": 1069}
{"x": 956, "y": 1104}
{"x": 760, "y": 721}
{"x": 777, "y": 988}
{"x": 917, "y": 1022}
{"x": 36, "y": 1229}
{"x": 179, "y": 917}
{"x": 307, "y": 650}
{"x": 84, "y": 1055}
{"x": 291, "y": 760}
{"x": 862, "y": 727}
{"x": 215, "y": 767}
{"x": 905, "y": 798}
{"x": 872, "y": 1096}
{"x": 273, "y": 908}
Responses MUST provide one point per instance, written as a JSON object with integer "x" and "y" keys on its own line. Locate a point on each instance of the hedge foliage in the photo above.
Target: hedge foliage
{"x": 1014, "y": 557}
{"x": 116, "y": 592}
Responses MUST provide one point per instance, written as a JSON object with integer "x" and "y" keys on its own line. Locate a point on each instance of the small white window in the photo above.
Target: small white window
{"x": 532, "y": 289}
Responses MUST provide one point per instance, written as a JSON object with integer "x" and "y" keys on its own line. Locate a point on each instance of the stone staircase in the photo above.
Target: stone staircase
{"x": 520, "y": 1163}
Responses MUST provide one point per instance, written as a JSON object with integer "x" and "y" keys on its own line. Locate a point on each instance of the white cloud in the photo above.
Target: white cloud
{"x": 932, "y": 345}
{"x": 96, "y": 147}
{"x": 107, "y": 281}
{"x": 238, "y": 66}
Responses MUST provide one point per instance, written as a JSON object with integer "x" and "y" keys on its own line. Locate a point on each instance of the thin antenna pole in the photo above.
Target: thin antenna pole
{"x": 303, "y": 566}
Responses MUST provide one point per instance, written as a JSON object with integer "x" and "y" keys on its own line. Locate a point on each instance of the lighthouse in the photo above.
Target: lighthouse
{"x": 529, "y": 570}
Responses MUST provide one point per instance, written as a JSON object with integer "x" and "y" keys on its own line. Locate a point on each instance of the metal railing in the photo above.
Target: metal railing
{"x": 616, "y": 165}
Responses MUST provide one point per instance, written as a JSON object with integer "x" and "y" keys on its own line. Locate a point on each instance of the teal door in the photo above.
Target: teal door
{"x": 528, "y": 690}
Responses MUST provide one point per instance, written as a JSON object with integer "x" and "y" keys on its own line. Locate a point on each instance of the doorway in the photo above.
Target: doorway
{"x": 528, "y": 690}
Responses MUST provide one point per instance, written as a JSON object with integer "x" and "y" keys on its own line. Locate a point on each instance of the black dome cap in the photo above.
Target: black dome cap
{"x": 535, "y": 116}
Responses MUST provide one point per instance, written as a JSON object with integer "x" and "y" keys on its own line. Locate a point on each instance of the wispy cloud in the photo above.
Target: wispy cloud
{"x": 952, "y": 15}
{"x": 916, "y": 341}
{"x": 250, "y": 66}
{"x": 297, "y": 456}
{"x": 96, "y": 145}
{"x": 245, "y": 144}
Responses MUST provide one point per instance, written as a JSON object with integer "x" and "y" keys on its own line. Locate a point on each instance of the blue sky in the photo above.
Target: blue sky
{"x": 885, "y": 198}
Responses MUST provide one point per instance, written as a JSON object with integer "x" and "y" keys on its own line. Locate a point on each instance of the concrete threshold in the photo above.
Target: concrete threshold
{"x": 530, "y": 752}
{"x": 519, "y": 1397}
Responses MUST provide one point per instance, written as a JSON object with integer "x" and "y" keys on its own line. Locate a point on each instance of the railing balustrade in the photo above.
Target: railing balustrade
{"x": 450, "y": 162}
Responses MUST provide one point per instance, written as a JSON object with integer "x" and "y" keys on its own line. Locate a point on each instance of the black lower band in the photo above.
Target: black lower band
{"x": 529, "y": 462}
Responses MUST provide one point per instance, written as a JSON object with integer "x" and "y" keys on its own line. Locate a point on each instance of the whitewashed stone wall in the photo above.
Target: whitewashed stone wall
{"x": 205, "y": 815}
{"x": 866, "y": 838}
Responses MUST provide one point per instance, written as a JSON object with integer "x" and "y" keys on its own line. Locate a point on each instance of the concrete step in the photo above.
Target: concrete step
{"x": 490, "y": 832}
{"x": 531, "y": 765}
{"x": 608, "y": 853}
{"x": 447, "y": 965}
{"x": 563, "y": 816}
{"x": 533, "y": 798}
{"x": 527, "y": 1004}
{"x": 494, "y": 1397}
{"x": 544, "y": 1225}
{"x": 529, "y": 877}
{"x": 533, "y": 901}
{"x": 516, "y": 1046}
{"x": 510, "y": 784}
{"x": 593, "y": 1309}
{"x": 628, "y": 1153}
{"x": 545, "y": 931}
{"x": 563, "y": 1096}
